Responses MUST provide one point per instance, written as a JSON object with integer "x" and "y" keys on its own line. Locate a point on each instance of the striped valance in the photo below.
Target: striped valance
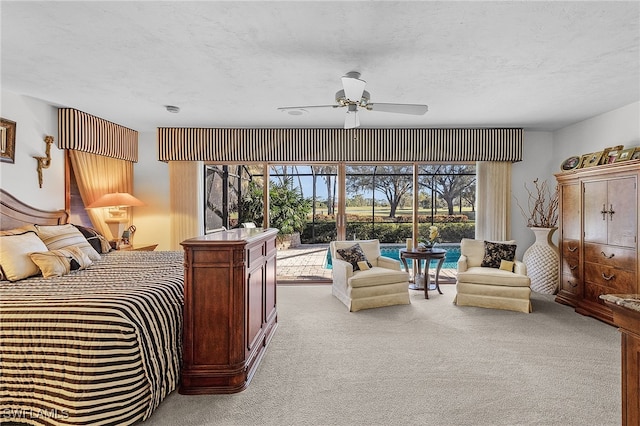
{"x": 85, "y": 132}
{"x": 336, "y": 145}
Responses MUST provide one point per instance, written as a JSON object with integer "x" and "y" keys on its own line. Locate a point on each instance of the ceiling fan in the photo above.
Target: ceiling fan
{"x": 353, "y": 96}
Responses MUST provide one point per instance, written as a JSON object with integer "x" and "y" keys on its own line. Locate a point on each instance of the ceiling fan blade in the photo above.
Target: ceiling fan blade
{"x": 351, "y": 120}
{"x": 353, "y": 86}
{"x": 414, "y": 109}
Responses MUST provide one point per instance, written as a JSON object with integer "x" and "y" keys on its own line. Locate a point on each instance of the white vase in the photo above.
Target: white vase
{"x": 542, "y": 260}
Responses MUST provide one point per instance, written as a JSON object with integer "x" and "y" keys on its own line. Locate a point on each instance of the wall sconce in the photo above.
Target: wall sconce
{"x": 117, "y": 214}
{"x": 44, "y": 162}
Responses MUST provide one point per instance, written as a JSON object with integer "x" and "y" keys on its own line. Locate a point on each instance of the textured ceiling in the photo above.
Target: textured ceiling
{"x": 537, "y": 65}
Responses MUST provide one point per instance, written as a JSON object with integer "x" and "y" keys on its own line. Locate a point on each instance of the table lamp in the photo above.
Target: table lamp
{"x": 117, "y": 214}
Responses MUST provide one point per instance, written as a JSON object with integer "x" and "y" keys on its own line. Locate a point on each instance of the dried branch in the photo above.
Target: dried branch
{"x": 542, "y": 206}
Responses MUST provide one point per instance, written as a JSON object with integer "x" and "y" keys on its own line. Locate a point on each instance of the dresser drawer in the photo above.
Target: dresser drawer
{"x": 615, "y": 257}
{"x": 618, "y": 280}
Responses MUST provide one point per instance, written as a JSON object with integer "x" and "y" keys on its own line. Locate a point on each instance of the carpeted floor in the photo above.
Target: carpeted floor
{"x": 428, "y": 363}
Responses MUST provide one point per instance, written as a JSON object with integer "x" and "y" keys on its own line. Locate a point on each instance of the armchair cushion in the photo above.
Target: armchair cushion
{"x": 495, "y": 252}
{"x": 377, "y": 276}
{"x": 354, "y": 255}
{"x": 493, "y": 276}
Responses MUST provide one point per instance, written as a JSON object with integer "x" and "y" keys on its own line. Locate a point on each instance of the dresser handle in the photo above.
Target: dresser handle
{"x": 607, "y": 256}
{"x": 608, "y": 278}
{"x": 572, "y": 249}
{"x": 573, "y": 267}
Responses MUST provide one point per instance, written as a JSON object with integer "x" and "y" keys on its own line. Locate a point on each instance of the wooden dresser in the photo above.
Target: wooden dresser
{"x": 598, "y": 235}
{"x": 229, "y": 308}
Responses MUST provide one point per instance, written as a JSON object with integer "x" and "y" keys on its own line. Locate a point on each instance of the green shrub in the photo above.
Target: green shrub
{"x": 325, "y": 231}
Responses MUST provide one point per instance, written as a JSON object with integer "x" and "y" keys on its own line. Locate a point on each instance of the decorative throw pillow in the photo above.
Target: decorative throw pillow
{"x": 364, "y": 265}
{"x": 55, "y": 263}
{"x": 96, "y": 239}
{"x": 14, "y": 255}
{"x": 62, "y": 236}
{"x": 496, "y": 252}
{"x": 507, "y": 265}
{"x": 353, "y": 255}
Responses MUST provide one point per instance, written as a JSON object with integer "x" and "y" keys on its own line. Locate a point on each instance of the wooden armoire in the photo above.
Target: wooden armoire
{"x": 598, "y": 235}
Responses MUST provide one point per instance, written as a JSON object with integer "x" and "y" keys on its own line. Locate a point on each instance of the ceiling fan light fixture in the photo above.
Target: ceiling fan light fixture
{"x": 299, "y": 111}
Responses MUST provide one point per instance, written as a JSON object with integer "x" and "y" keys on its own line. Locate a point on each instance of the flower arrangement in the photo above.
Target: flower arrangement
{"x": 542, "y": 206}
{"x": 431, "y": 237}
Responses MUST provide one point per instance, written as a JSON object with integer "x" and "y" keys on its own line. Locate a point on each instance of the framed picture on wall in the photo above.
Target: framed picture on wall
{"x": 7, "y": 140}
{"x": 636, "y": 154}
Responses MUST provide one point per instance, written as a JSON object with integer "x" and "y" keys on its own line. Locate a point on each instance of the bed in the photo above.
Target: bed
{"x": 100, "y": 345}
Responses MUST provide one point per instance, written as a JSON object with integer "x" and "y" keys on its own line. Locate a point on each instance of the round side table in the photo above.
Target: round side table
{"x": 427, "y": 255}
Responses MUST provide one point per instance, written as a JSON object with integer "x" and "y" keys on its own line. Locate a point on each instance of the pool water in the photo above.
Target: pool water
{"x": 393, "y": 251}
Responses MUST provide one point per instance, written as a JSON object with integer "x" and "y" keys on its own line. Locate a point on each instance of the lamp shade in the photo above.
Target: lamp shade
{"x": 116, "y": 199}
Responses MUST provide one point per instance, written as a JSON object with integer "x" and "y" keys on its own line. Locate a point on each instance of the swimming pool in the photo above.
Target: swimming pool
{"x": 393, "y": 251}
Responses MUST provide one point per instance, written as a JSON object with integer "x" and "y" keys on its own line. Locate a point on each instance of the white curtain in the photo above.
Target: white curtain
{"x": 493, "y": 205}
{"x": 186, "y": 201}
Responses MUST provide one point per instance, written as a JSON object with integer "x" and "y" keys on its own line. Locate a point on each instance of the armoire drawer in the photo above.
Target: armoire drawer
{"x": 569, "y": 283}
{"x": 618, "y": 280}
{"x": 571, "y": 248}
{"x": 615, "y": 257}
{"x": 570, "y": 267}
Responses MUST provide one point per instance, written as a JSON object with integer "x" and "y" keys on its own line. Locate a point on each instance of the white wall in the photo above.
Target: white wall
{"x": 618, "y": 127}
{"x": 538, "y": 163}
{"x": 34, "y": 120}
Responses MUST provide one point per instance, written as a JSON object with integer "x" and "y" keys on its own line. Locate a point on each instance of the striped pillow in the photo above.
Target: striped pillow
{"x": 55, "y": 263}
{"x": 62, "y": 236}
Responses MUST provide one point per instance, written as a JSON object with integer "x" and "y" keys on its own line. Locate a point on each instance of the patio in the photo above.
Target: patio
{"x": 304, "y": 264}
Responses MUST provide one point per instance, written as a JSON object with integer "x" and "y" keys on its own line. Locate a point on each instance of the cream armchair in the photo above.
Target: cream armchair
{"x": 505, "y": 287}
{"x": 383, "y": 284}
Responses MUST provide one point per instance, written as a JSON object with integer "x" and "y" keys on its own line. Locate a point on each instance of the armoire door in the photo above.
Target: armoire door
{"x": 622, "y": 205}
{"x": 610, "y": 212}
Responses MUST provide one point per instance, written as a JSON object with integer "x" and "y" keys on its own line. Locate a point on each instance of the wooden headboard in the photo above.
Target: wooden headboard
{"x": 14, "y": 213}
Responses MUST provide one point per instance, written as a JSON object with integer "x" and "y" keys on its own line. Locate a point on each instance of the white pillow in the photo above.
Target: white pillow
{"x": 14, "y": 255}
{"x": 61, "y": 236}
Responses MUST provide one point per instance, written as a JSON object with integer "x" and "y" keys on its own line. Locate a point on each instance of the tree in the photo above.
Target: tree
{"x": 328, "y": 173}
{"x": 393, "y": 181}
{"x": 449, "y": 182}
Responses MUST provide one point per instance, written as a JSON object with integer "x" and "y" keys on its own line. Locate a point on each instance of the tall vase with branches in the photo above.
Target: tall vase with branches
{"x": 542, "y": 258}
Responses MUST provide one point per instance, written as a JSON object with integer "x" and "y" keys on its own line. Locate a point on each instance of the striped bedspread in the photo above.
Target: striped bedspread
{"x": 100, "y": 346}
